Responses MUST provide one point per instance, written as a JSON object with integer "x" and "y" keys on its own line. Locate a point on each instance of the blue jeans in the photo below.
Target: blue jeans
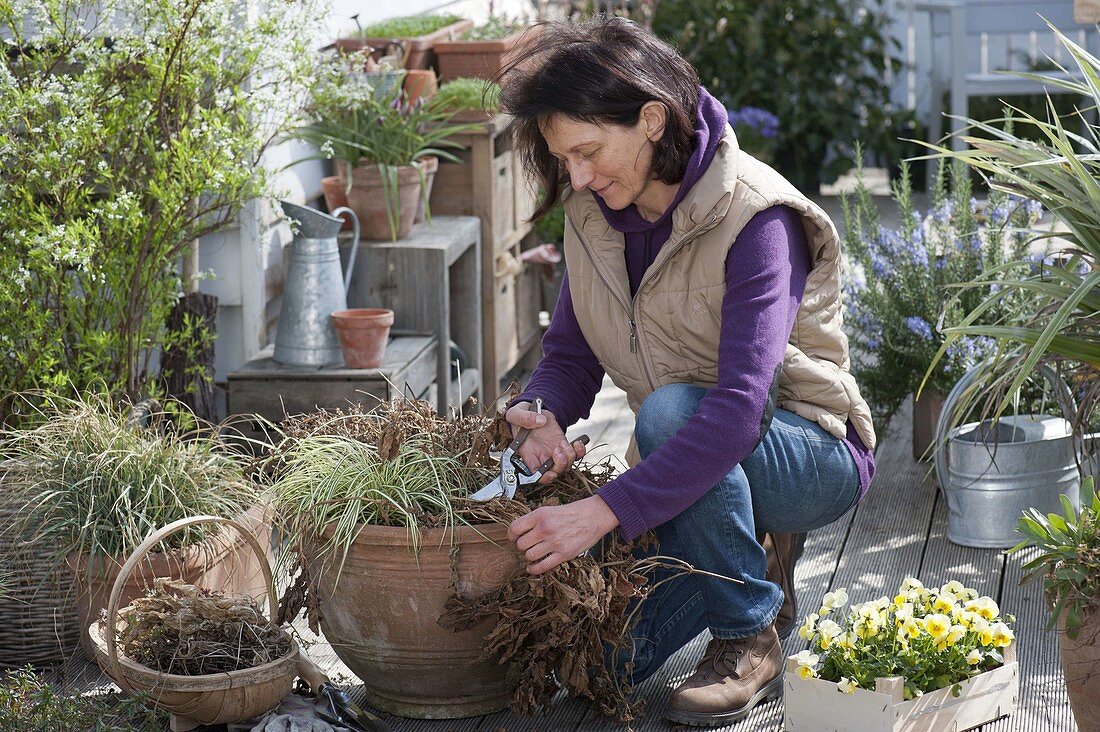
{"x": 797, "y": 479}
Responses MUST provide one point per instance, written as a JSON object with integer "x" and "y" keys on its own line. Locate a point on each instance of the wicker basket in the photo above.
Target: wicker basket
{"x": 194, "y": 700}
{"x": 37, "y": 605}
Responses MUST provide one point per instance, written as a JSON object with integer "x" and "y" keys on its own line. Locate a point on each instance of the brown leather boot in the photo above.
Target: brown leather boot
{"x": 783, "y": 550}
{"x": 732, "y": 678}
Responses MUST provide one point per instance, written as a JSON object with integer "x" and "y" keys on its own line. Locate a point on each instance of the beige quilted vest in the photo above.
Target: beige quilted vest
{"x": 669, "y": 333}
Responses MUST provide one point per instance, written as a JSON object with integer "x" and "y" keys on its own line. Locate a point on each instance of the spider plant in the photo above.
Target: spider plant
{"x": 98, "y": 484}
{"x": 330, "y": 486}
{"x": 1058, "y": 319}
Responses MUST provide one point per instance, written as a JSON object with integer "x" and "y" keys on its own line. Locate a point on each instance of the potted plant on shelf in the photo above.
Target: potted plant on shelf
{"x": 902, "y": 290}
{"x": 1066, "y": 557}
{"x": 927, "y": 659}
{"x": 481, "y": 52}
{"x": 468, "y": 99}
{"x": 386, "y": 150}
{"x": 97, "y": 484}
{"x": 416, "y": 34}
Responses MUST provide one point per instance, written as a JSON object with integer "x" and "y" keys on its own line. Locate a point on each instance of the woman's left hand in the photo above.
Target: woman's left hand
{"x": 551, "y": 535}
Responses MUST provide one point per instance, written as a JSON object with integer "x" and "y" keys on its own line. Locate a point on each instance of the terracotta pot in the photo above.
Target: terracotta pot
{"x": 226, "y": 565}
{"x": 481, "y": 59}
{"x": 363, "y": 333}
{"x": 371, "y": 201}
{"x": 431, "y": 165}
{"x": 335, "y": 197}
{"x": 420, "y": 53}
{"x": 1080, "y": 658}
{"x": 926, "y": 412}
{"x": 381, "y": 609}
{"x": 420, "y": 84}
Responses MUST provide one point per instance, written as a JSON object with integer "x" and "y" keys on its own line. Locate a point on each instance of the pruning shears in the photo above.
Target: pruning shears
{"x": 513, "y": 471}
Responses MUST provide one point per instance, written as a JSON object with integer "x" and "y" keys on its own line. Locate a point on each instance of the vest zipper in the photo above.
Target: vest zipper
{"x": 629, "y": 307}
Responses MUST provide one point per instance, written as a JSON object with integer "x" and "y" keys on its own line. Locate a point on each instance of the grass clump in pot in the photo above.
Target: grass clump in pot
{"x": 98, "y": 483}
{"x": 467, "y": 93}
{"x": 411, "y": 26}
{"x": 402, "y": 465}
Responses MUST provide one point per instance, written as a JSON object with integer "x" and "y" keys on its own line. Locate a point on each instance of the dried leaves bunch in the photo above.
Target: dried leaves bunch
{"x": 182, "y": 629}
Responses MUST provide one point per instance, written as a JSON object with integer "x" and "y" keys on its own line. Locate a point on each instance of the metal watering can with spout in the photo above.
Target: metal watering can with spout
{"x": 315, "y": 288}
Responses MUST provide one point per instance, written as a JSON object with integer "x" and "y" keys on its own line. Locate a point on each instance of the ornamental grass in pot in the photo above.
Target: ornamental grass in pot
{"x": 385, "y": 149}
{"x": 417, "y": 587}
{"x": 98, "y": 484}
{"x": 417, "y": 36}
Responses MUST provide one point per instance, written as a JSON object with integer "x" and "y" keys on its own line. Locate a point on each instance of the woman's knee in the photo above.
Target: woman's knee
{"x": 663, "y": 413}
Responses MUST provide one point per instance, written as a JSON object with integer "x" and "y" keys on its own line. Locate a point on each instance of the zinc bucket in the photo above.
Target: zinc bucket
{"x": 991, "y": 472}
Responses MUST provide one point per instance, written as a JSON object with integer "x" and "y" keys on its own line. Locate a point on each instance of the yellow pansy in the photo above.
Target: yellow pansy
{"x": 911, "y": 628}
{"x": 848, "y": 686}
{"x": 806, "y": 662}
{"x": 805, "y": 672}
{"x": 953, "y": 587}
{"x": 974, "y": 657}
{"x": 956, "y": 634}
{"x": 985, "y": 606}
{"x": 937, "y": 625}
{"x": 1002, "y": 635}
{"x": 944, "y": 602}
{"x": 809, "y": 626}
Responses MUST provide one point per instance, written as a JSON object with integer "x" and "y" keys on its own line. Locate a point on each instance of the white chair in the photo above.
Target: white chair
{"x": 971, "y": 41}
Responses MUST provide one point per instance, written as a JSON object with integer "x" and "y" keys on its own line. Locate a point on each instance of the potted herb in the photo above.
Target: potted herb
{"x": 902, "y": 290}
{"x": 1066, "y": 557}
{"x": 928, "y": 658}
{"x": 98, "y": 484}
{"x": 417, "y": 36}
{"x": 480, "y": 52}
{"x": 468, "y": 99}
{"x": 386, "y": 150}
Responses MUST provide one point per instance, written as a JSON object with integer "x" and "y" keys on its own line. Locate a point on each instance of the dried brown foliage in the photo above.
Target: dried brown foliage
{"x": 551, "y": 630}
{"x": 182, "y": 629}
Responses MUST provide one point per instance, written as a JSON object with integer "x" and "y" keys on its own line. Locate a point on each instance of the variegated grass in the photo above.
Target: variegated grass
{"x": 98, "y": 485}
{"x": 331, "y": 486}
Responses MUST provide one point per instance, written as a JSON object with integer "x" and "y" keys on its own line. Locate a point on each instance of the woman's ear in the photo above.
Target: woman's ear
{"x": 654, "y": 116}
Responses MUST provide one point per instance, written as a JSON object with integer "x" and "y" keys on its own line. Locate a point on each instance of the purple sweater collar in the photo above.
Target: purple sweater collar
{"x": 710, "y": 125}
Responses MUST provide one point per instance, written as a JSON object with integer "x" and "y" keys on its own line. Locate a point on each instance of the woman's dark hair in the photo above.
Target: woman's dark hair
{"x": 601, "y": 71}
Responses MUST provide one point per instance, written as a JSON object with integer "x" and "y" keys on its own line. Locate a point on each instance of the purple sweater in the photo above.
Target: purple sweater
{"x": 766, "y": 270}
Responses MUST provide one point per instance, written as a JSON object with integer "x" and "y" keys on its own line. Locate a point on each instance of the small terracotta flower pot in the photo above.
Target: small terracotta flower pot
{"x": 335, "y": 197}
{"x": 420, "y": 84}
{"x": 363, "y": 333}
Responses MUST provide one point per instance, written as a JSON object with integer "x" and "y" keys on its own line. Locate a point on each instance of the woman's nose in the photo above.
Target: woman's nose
{"x": 580, "y": 175}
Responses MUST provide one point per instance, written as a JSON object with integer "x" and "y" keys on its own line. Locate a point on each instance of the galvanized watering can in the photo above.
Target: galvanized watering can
{"x": 990, "y": 473}
{"x": 315, "y": 288}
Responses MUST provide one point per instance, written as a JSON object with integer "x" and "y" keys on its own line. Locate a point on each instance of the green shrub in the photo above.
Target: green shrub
{"x": 29, "y": 704}
{"x": 815, "y": 64}
{"x": 494, "y": 29}
{"x": 409, "y": 26}
{"x": 467, "y": 93}
{"x": 116, "y": 155}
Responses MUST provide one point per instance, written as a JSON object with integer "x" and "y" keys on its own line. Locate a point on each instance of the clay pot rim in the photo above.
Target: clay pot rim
{"x": 490, "y": 533}
{"x": 353, "y": 316}
{"x": 208, "y": 682}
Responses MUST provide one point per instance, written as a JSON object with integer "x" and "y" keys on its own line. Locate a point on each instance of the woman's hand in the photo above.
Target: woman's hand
{"x": 545, "y": 441}
{"x": 551, "y": 535}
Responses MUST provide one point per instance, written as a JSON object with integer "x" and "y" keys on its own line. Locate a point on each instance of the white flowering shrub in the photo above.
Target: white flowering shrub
{"x": 127, "y": 131}
{"x": 934, "y": 637}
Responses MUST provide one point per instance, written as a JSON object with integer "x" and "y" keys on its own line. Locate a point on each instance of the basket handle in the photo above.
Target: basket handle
{"x": 151, "y": 541}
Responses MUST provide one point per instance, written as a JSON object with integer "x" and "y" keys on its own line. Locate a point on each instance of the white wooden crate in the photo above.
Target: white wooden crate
{"x": 814, "y": 705}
